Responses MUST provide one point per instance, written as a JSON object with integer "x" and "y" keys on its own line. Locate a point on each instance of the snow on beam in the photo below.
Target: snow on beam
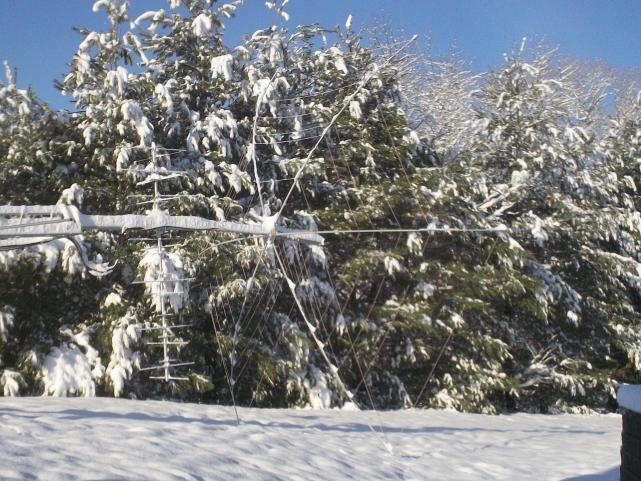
{"x": 76, "y": 222}
{"x": 19, "y": 210}
{"x": 629, "y": 397}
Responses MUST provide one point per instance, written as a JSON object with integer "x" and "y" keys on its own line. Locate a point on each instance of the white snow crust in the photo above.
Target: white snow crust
{"x": 629, "y": 397}
{"x": 115, "y": 439}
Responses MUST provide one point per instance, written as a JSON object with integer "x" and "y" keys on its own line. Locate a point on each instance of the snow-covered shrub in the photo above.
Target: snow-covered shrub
{"x": 11, "y": 382}
{"x": 124, "y": 359}
{"x": 67, "y": 370}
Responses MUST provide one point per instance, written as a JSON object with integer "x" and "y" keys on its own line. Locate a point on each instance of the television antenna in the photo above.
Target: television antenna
{"x": 24, "y": 226}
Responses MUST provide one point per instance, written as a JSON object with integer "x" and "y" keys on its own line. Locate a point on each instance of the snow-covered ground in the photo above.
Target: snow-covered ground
{"x": 107, "y": 439}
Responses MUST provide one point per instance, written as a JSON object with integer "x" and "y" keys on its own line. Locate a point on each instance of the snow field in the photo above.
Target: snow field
{"x": 112, "y": 439}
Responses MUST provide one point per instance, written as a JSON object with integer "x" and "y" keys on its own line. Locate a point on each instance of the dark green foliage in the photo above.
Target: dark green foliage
{"x": 539, "y": 315}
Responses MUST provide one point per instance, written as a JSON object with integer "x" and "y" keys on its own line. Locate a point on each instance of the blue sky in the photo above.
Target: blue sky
{"x": 36, "y": 35}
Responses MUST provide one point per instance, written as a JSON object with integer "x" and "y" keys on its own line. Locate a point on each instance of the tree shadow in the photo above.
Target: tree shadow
{"x": 305, "y": 424}
{"x": 609, "y": 475}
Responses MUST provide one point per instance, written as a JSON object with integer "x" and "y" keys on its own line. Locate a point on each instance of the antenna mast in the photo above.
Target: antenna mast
{"x": 167, "y": 339}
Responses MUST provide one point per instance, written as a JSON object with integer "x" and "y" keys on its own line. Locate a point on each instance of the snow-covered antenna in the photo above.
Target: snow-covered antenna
{"x": 167, "y": 340}
{"x": 25, "y": 226}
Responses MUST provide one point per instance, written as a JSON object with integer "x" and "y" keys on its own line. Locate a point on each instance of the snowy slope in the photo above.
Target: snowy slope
{"x": 92, "y": 439}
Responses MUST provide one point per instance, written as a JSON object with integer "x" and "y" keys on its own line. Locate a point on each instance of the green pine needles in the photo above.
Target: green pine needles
{"x": 524, "y": 294}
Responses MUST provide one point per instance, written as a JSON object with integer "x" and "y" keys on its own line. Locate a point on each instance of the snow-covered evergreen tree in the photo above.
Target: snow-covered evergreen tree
{"x": 48, "y": 294}
{"x": 547, "y": 181}
{"x": 311, "y": 129}
{"x": 439, "y": 95}
{"x": 166, "y": 79}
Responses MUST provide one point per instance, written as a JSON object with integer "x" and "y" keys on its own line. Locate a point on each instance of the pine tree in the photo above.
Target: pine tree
{"x": 521, "y": 291}
{"x": 549, "y": 184}
{"x": 170, "y": 83}
{"x": 38, "y": 162}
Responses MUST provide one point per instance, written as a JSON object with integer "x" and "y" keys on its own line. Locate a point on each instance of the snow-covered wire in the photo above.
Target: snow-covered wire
{"x": 237, "y": 324}
{"x": 305, "y": 114}
{"x": 315, "y": 127}
{"x": 227, "y": 377}
{"x": 346, "y": 103}
{"x": 319, "y": 94}
{"x": 229, "y": 241}
{"x": 291, "y": 141}
{"x": 436, "y": 362}
{"x": 446, "y": 230}
{"x": 312, "y": 330}
{"x": 335, "y": 370}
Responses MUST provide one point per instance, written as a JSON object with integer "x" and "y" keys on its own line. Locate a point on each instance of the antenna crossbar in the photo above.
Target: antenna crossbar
{"x": 160, "y": 328}
{"x": 75, "y": 222}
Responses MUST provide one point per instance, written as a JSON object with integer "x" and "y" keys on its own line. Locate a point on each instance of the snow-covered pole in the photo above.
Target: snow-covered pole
{"x": 156, "y": 205}
{"x": 163, "y": 307}
{"x": 161, "y": 287}
{"x": 259, "y": 102}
